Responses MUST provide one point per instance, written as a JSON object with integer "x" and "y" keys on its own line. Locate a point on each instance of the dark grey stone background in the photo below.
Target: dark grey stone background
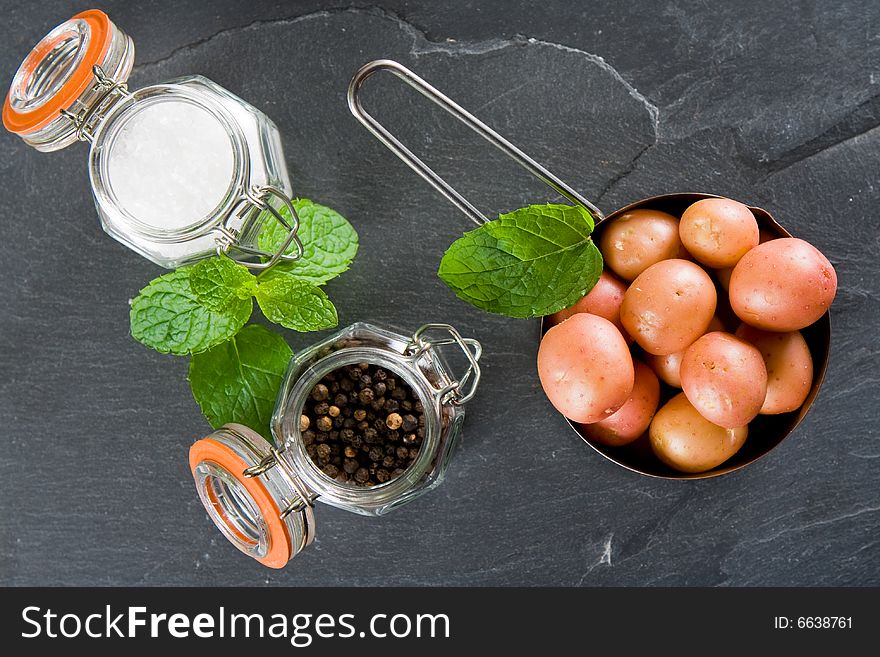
{"x": 775, "y": 104}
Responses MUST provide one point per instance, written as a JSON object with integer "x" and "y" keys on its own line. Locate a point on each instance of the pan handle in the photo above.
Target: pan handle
{"x": 395, "y": 146}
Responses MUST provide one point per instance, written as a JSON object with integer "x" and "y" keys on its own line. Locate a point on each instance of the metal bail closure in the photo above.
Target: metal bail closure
{"x": 458, "y": 391}
{"x": 109, "y": 92}
{"x": 252, "y": 496}
{"x": 472, "y": 122}
{"x": 250, "y": 213}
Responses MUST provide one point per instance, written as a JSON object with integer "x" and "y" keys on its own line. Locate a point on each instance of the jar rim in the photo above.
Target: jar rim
{"x": 111, "y": 126}
{"x": 92, "y": 31}
{"x": 329, "y": 489}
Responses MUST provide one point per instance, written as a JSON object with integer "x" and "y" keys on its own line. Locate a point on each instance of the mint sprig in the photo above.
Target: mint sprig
{"x": 238, "y": 380}
{"x": 527, "y": 263}
{"x": 201, "y": 310}
{"x": 168, "y": 316}
{"x": 329, "y": 242}
{"x": 219, "y": 283}
{"x": 296, "y": 304}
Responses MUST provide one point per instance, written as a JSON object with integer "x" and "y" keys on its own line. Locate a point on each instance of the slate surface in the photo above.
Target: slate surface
{"x": 775, "y": 106}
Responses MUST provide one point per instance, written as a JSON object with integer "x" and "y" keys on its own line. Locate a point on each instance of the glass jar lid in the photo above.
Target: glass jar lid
{"x": 261, "y": 509}
{"x": 57, "y": 80}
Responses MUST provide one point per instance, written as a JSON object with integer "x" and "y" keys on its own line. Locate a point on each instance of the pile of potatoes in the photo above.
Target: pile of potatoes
{"x": 709, "y": 305}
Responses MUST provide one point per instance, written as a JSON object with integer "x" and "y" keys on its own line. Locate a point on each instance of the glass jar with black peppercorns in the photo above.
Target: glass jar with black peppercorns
{"x": 365, "y": 421}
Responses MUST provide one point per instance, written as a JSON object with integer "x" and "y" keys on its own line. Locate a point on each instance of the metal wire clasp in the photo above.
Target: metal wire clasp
{"x": 109, "y": 92}
{"x": 303, "y": 496}
{"x": 252, "y": 204}
{"x": 472, "y": 122}
{"x": 454, "y": 392}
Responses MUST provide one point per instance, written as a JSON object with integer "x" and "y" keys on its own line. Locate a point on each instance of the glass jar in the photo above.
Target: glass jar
{"x": 179, "y": 170}
{"x": 261, "y": 496}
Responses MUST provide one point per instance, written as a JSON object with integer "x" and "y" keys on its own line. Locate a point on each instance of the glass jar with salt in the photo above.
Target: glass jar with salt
{"x": 179, "y": 170}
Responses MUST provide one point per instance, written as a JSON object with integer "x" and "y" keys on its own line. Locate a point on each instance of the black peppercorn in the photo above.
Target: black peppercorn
{"x": 352, "y": 428}
{"x": 410, "y": 423}
{"x": 393, "y": 421}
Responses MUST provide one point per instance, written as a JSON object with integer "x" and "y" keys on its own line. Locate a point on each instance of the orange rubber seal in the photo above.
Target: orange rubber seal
{"x": 101, "y": 34}
{"x": 211, "y": 451}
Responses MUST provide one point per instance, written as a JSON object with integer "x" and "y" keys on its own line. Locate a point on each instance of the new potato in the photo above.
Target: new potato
{"x": 603, "y": 300}
{"x": 686, "y": 441}
{"x": 632, "y": 419}
{"x": 637, "y": 239}
{"x": 789, "y": 367}
{"x": 668, "y": 367}
{"x": 585, "y": 368}
{"x": 718, "y": 231}
{"x": 668, "y": 306}
{"x": 783, "y": 285}
{"x": 724, "y": 378}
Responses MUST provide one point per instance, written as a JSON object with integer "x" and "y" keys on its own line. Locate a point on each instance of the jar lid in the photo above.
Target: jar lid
{"x": 262, "y": 509}
{"x": 58, "y": 76}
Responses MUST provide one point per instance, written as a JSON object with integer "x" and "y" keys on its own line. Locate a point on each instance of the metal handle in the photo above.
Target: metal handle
{"x": 472, "y": 122}
{"x": 453, "y": 392}
{"x": 256, "y": 201}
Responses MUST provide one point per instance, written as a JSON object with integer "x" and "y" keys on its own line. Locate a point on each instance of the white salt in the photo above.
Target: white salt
{"x": 171, "y": 164}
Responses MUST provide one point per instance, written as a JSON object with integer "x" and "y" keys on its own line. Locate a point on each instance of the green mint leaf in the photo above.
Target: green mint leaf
{"x": 168, "y": 317}
{"x": 329, "y": 242}
{"x": 219, "y": 282}
{"x": 530, "y": 262}
{"x": 295, "y": 304}
{"x": 238, "y": 380}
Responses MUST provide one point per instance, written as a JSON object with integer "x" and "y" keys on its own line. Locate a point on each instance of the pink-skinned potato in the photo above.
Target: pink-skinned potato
{"x": 718, "y": 231}
{"x": 668, "y": 367}
{"x": 633, "y": 418}
{"x": 782, "y": 285}
{"x": 585, "y": 368}
{"x": 637, "y": 239}
{"x": 724, "y": 378}
{"x": 668, "y": 306}
{"x": 603, "y": 300}
{"x": 789, "y": 367}
{"x": 686, "y": 441}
